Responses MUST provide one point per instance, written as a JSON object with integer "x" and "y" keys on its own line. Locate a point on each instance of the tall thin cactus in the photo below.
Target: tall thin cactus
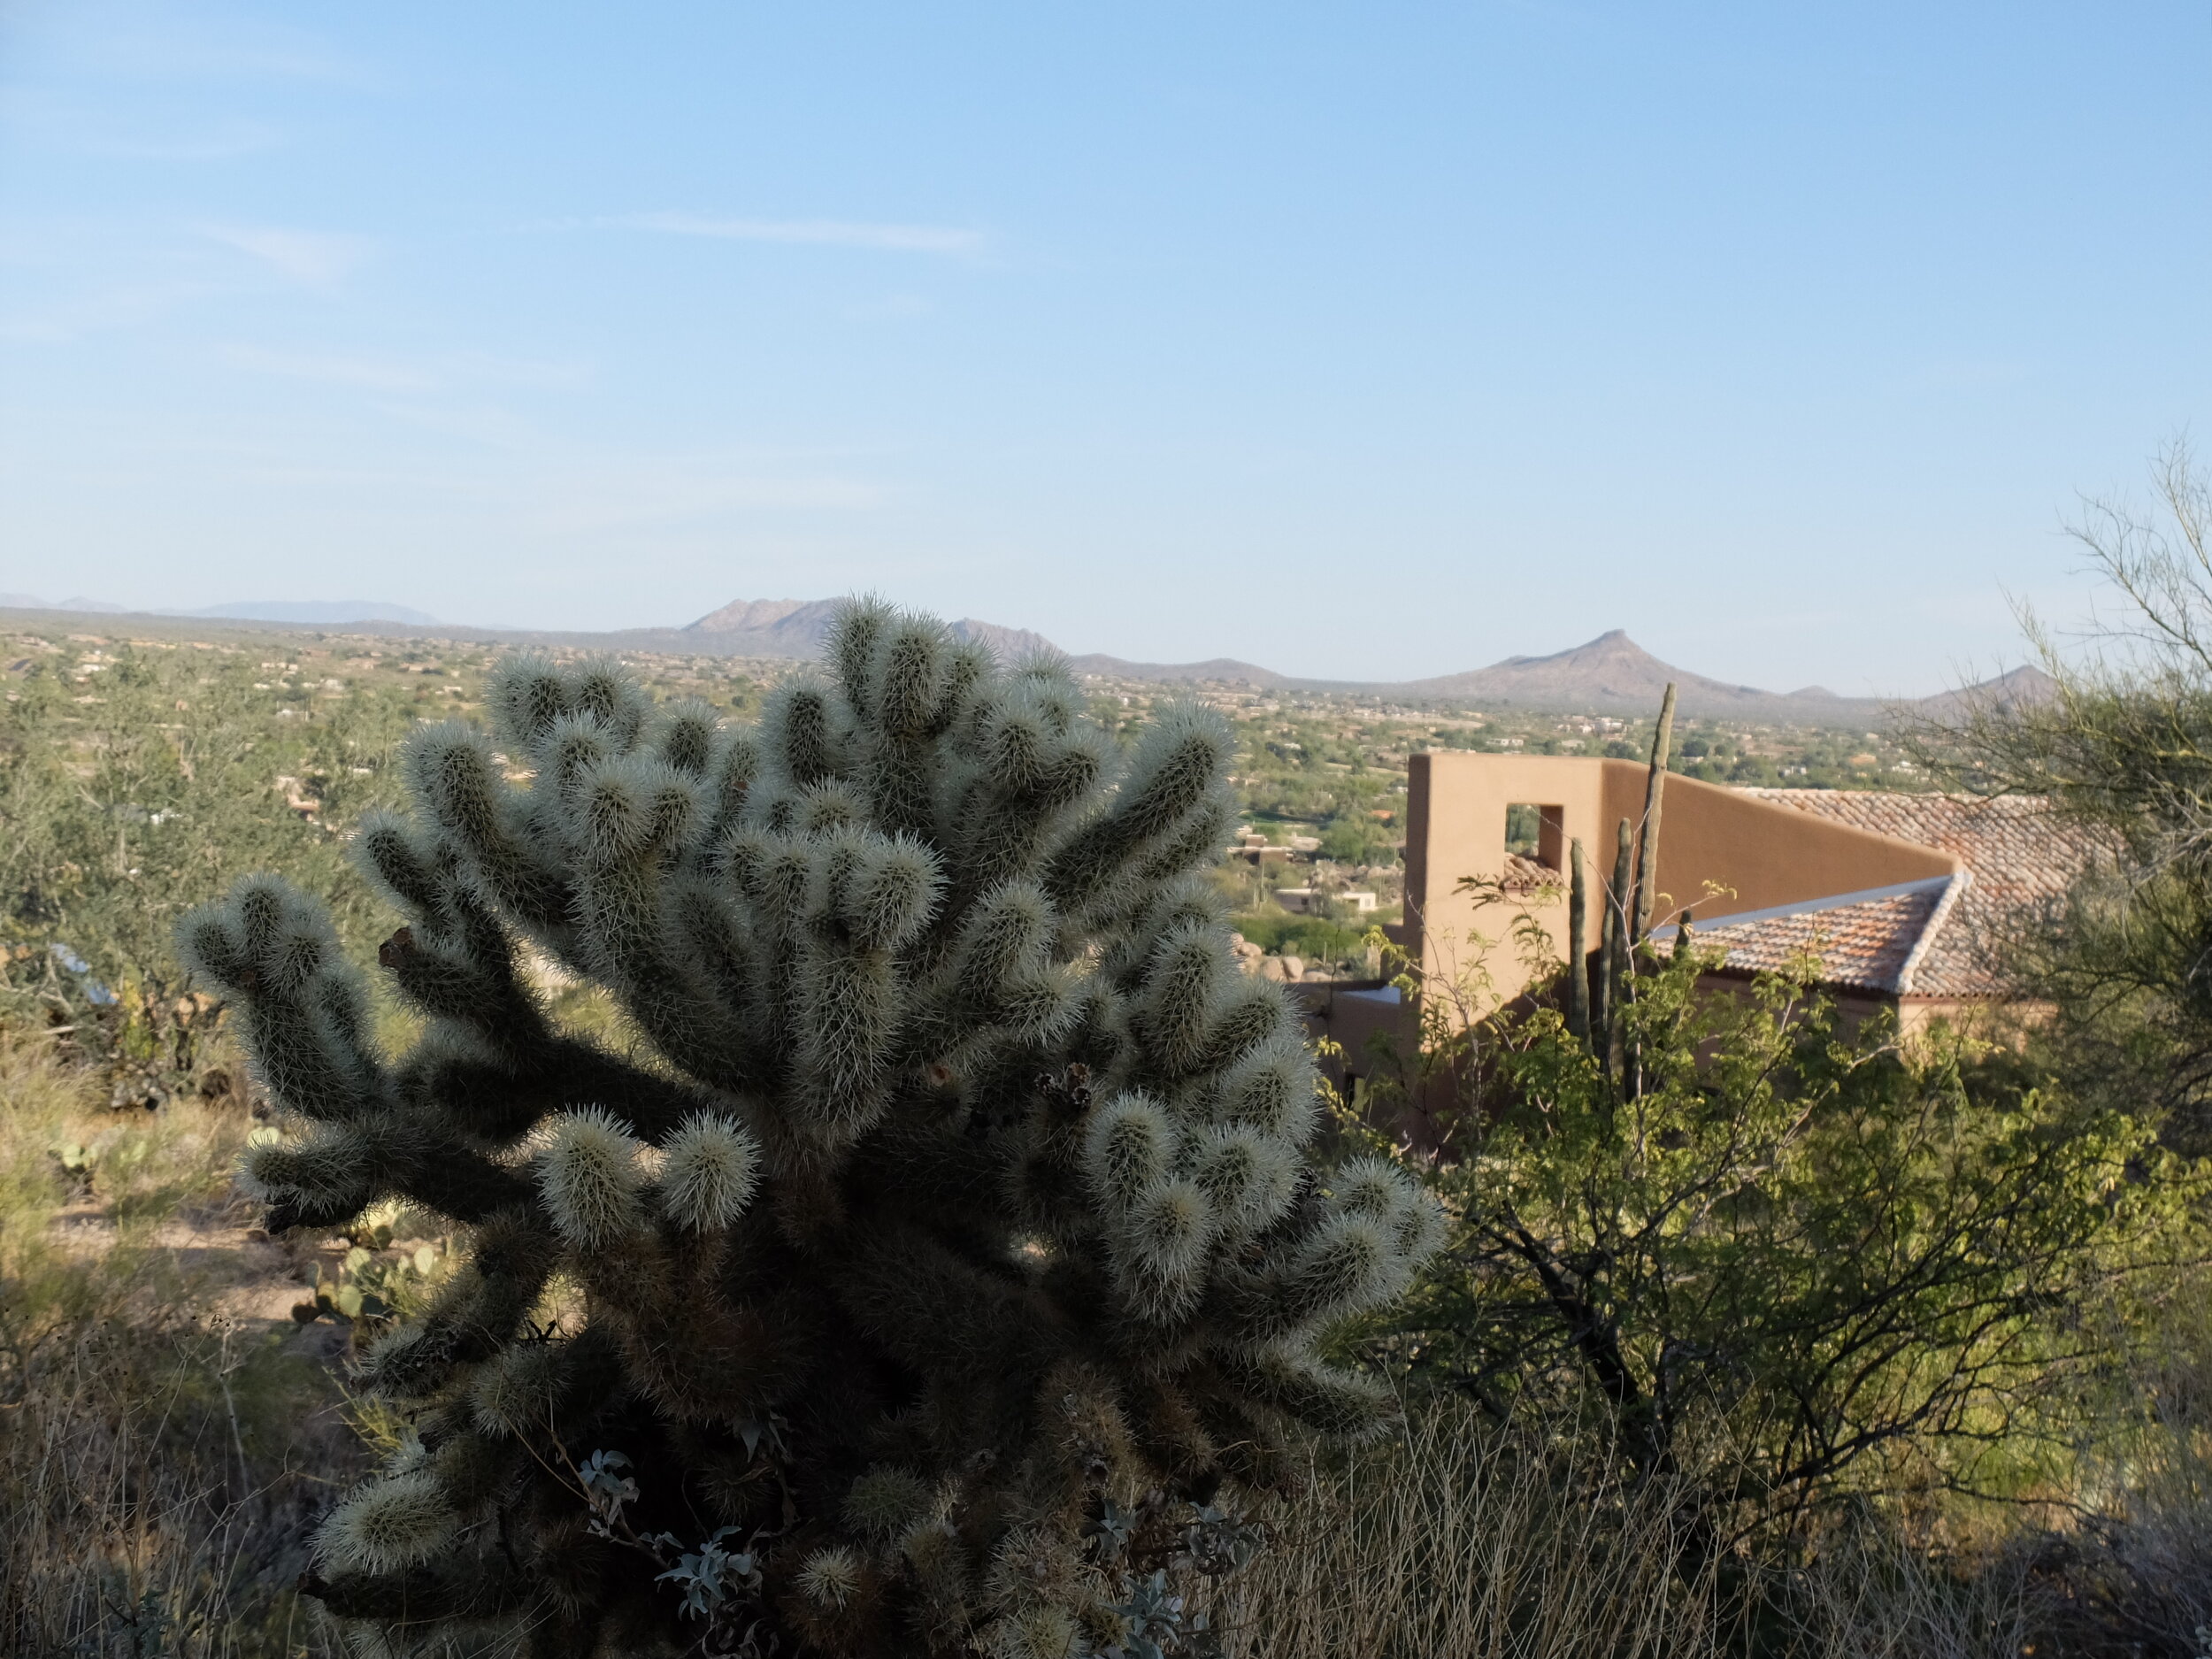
{"x": 1601, "y": 965}
{"x": 1647, "y": 837}
{"x": 1619, "y": 949}
{"x": 1577, "y": 943}
{"x": 1631, "y": 1067}
{"x": 1599, "y": 995}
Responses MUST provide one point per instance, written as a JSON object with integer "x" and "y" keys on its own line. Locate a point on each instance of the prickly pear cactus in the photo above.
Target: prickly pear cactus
{"x": 943, "y": 1261}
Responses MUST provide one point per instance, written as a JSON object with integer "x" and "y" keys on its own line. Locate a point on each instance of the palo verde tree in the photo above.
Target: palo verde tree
{"x": 2116, "y": 739}
{"x": 1787, "y": 1253}
{"x": 1798, "y": 1257}
{"x": 945, "y": 1260}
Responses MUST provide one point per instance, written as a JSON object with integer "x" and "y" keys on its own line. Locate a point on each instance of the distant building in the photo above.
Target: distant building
{"x": 1253, "y": 848}
{"x": 1906, "y": 901}
{"x": 1320, "y": 900}
{"x": 1904, "y": 898}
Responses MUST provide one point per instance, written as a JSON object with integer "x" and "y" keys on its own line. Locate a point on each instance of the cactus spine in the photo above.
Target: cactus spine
{"x": 957, "y": 1190}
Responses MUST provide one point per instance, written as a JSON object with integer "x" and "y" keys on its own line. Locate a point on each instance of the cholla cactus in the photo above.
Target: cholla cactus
{"x": 954, "y": 1199}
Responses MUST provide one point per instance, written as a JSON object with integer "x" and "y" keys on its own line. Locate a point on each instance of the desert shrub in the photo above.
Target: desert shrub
{"x": 1355, "y": 837}
{"x": 1315, "y": 937}
{"x": 944, "y": 1264}
{"x": 128, "y": 797}
{"x": 2118, "y": 743}
{"x": 2125, "y": 1564}
{"x": 1796, "y": 1255}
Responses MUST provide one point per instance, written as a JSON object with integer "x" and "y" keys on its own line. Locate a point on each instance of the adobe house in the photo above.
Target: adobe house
{"x": 1901, "y": 896}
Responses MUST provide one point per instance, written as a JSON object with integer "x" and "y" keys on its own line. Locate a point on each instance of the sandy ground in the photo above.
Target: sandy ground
{"x": 253, "y": 1279}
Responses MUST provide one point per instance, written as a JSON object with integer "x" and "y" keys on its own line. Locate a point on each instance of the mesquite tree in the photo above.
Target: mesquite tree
{"x": 944, "y": 1258}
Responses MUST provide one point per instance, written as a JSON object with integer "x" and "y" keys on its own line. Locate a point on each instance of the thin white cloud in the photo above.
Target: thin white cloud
{"x": 309, "y": 257}
{"x": 224, "y": 142}
{"x": 376, "y": 374}
{"x": 36, "y": 117}
{"x": 401, "y": 375}
{"x": 612, "y": 496}
{"x": 514, "y": 476}
{"x": 67, "y": 279}
{"x": 154, "y": 42}
{"x": 890, "y": 307}
{"x": 825, "y": 233}
{"x": 98, "y": 311}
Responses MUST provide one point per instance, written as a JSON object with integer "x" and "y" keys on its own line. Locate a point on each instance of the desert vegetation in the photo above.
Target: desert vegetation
{"x": 807, "y": 1175}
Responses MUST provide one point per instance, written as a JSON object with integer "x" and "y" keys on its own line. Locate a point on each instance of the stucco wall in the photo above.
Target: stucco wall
{"x": 1762, "y": 852}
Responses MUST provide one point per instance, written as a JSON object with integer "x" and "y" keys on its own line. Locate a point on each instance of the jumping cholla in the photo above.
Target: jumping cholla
{"x": 946, "y": 1257}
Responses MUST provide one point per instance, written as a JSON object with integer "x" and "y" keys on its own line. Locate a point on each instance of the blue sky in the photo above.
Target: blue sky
{"x": 1377, "y": 341}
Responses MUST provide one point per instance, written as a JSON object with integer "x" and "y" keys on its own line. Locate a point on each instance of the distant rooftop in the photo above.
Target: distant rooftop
{"x": 1864, "y": 941}
{"x": 1527, "y": 875}
{"x": 1940, "y": 938}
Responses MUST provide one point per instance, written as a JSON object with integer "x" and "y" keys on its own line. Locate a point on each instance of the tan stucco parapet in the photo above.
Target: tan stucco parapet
{"x": 1761, "y": 855}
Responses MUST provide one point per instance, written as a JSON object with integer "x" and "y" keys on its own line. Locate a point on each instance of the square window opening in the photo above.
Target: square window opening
{"x": 1532, "y": 831}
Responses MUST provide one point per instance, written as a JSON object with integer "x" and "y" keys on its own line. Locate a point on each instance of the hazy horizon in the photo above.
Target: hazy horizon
{"x": 1377, "y": 347}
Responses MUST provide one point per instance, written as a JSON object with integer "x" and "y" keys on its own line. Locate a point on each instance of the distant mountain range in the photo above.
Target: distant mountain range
{"x": 796, "y": 627}
{"x": 328, "y": 612}
{"x": 27, "y": 602}
{"x": 1610, "y": 675}
{"x": 1611, "y": 669}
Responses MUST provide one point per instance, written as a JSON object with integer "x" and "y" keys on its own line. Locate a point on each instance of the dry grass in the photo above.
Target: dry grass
{"x": 167, "y": 1434}
{"x": 1457, "y": 1540}
{"x": 1452, "y": 1538}
{"x": 161, "y": 1436}
{"x": 2136, "y": 1574}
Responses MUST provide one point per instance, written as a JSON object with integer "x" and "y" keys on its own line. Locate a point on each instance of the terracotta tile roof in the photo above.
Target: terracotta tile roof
{"x": 1527, "y": 875}
{"x": 2021, "y": 859}
{"x": 1863, "y": 941}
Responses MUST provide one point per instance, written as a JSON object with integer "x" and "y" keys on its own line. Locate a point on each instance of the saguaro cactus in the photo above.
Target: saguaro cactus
{"x": 1601, "y": 987}
{"x": 1577, "y": 943}
{"x": 1646, "y": 888}
{"x": 1647, "y": 833}
{"x": 945, "y": 1255}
